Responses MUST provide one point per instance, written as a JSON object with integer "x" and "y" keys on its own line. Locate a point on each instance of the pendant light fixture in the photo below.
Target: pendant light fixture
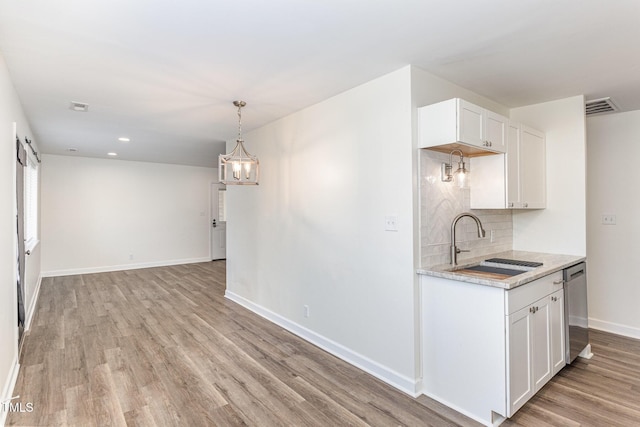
{"x": 238, "y": 167}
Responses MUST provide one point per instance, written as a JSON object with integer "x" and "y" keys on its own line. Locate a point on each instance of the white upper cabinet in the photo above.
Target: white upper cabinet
{"x": 496, "y": 131}
{"x": 457, "y": 121}
{"x": 526, "y": 168}
{"x": 515, "y": 180}
{"x": 513, "y": 164}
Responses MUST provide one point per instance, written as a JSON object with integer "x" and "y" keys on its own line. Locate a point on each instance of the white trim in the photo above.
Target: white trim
{"x": 394, "y": 379}
{"x": 32, "y": 307}
{"x": 8, "y": 388}
{"x": 614, "y": 328}
{"x": 31, "y": 244}
{"x": 105, "y": 269}
{"x": 499, "y": 419}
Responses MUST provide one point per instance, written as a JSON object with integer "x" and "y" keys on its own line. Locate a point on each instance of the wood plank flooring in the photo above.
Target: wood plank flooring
{"x": 602, "y": 391}
{"x": 162, "y": 346}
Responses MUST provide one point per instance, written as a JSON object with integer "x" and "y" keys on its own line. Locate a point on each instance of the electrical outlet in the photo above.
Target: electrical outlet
{"x": 391, "y": 223}
{"x": 306, "y": 310}
{"x": 609, "y": 219}
{"x": 492, "y": 235}
{"x": 130, "y": 257}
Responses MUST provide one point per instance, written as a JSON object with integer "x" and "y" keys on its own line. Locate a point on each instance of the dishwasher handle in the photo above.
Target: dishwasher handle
{"x": 574, "y": 272}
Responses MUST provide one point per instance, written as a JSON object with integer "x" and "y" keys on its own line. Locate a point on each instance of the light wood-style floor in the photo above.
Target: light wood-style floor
{"x": 163, "y": 347}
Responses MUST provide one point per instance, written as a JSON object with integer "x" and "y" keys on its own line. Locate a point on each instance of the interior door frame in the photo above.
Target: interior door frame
{"x": 14, "y": 265}
{"x": 212, "y": 216}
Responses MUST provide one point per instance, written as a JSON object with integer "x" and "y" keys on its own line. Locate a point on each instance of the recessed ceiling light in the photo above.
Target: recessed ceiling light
{"x": 112, "y": 154}
{"x": 124, "y": 139}
{"x": 82, "y": 107}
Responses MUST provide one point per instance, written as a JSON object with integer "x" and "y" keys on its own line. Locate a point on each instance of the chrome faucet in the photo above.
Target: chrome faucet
{"x": 454, "y": 249}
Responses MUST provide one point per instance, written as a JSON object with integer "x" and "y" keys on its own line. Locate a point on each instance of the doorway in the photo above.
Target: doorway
{"x": 218, "y": 221}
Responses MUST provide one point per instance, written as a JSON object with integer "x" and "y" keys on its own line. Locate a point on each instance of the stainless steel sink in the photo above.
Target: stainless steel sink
{"x": 497, "y": 268}
{"x": 493, "y": 270}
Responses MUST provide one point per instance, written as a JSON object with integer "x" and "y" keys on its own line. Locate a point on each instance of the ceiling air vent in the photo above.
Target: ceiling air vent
{"x": 79, "y": 106}
{"x": 599, "y": 106}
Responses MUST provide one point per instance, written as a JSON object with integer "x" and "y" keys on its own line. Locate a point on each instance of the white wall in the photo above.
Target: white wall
{"x": 107, "y": 214}
{"x": 561, "y": 227}
{"x": 613, "y": 177}
{"x": 10, "y": 112}
{"x": 312, "y": 233}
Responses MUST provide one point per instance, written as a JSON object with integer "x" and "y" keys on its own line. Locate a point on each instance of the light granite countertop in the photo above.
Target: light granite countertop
{"x": 551, "y": 264}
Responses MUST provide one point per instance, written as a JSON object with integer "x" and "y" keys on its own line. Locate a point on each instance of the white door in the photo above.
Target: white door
{"x": 218, "y": 222}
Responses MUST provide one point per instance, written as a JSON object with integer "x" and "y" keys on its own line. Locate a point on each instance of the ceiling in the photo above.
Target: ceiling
{"x": 164, "y": 74}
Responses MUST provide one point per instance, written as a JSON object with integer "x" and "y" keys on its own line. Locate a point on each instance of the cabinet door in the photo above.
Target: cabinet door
{"x": 496, "y": 131}
{"x": 557, "y": 331}
{"x": 470, "y": 123}
{"x": 513, "y": 167}
{"x": 541, "y": 342}
{"x": 533, "y": 191}
{"x": 520, "y": 383}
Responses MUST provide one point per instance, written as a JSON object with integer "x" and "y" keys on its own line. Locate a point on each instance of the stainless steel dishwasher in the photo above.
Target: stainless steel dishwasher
{"x": 576, "y": 313}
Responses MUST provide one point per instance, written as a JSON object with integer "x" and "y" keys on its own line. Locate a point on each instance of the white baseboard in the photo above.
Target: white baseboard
{"x": 8, "y": 388}
{"x": 32, "y": 307}
{"x": 614, "y": 328}
{"x": 394, "y": 379}
{"x": 498, "y": 419}
{"x": 105, "y": 269}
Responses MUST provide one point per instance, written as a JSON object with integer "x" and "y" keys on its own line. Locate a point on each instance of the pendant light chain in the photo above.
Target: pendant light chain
{"x": 239, "y": 104}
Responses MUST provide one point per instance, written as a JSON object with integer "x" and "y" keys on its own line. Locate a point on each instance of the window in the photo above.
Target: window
{"x": 30, "y": 202}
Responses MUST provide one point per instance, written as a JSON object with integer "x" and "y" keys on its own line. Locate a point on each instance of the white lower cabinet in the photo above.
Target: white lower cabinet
{"x": 486, "y": 351}
{"x": 535, "y": 339}
{"x": 520, "y": 379}
{"x": 535, "y": 336}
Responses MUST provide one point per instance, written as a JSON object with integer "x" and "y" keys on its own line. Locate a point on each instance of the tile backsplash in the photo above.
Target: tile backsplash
{"x": 440, "y": 202}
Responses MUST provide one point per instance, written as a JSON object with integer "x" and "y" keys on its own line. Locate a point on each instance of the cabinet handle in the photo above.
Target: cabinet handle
{"x": 558, "y": 282}
{"x": 526, "y": 205}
